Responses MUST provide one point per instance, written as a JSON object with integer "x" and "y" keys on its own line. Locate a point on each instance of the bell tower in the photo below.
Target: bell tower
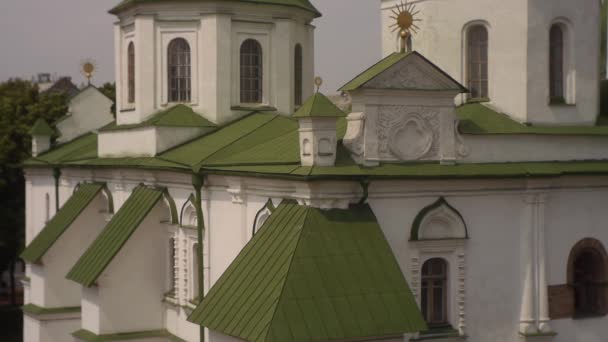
{"x": 536, "y": 61}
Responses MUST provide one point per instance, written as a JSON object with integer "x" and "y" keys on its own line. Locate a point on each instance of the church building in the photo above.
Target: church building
{"x": 461, "y": 198}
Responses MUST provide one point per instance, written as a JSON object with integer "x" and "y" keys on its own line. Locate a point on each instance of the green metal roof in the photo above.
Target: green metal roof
{"x": 319, "y": 106}
{"x": 88, "y": 336}
{"x": 302, "y": 4}
{"x": 176, "y": 116}
{"x": 61, "y": 222}
{"x": 312, "y": 275}
{"x": 41, "y": 127}
{"x": 478, "y": 118}
{"x": 35, "y": 310}
{"x": 114, "y": 236}
{"x": 385, "y": 64}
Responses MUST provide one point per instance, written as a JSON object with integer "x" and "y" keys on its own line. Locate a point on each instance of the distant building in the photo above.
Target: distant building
{"x": 47, "y": 84}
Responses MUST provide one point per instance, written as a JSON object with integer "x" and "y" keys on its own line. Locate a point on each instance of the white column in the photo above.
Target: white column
{"x": 118, "y": 66}
{"x": 527, "y": 322}
{"x": 215, "y": 86}
{"x": 145, "y": 67}
{"x": 282, "y": 66}
{"x": 543, "y": 295}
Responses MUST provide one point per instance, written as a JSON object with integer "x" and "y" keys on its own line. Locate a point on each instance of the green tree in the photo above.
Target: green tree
{"x": 21, "y": 105}
{"x": 109, "y": 90}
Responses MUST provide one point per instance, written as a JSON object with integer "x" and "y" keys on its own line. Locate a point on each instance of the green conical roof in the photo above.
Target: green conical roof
{"x": 319, "y": 106}
{"x": 41, "y": 127}
{"x": 302, "y": 4}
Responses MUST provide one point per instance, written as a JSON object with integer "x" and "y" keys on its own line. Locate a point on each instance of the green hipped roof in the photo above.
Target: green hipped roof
{"x": 41, "y": 127}
{"x": 302, "y": 4}
{"x": 384, "y": 64}
{"x": 114, "y": 236}
{"x": 266, "y": 144}
{"x": 319, "y": 106}
{"x": 60, "y": 222}
{"x": 176, "y": 116}
{"x": 312, "y": 275}
{"x": 478, "y": 118}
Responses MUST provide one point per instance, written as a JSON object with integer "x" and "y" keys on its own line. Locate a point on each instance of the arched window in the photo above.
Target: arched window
{"x": 251, "y": 72}
{"x": 195, "y": 271}
{"x": 131, "y": 72}
{"x": 298, "y": 86}
{"x": 178, "y": 58}
{"x": 172, "y": 255}
{"x": 477, "y": 61}
{"x": 434, "y": 291}
{"x": 556, "y": 63}
{"x": 588, "y": 276}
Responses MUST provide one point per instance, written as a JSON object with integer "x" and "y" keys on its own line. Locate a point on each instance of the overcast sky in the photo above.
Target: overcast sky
{"x": 57, "y": 35}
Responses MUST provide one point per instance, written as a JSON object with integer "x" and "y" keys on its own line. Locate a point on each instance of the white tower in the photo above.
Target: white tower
{"x": 537, "y": 61}
{"x": 193, "y": 53}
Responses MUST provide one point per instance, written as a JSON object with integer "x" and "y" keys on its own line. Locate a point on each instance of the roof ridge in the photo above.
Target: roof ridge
{"x": 295, "y": 251}
{"x": 199, "y": 164}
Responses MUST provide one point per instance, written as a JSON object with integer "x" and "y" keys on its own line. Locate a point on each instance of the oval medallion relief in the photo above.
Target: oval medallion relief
{"x": 411, "y": 139}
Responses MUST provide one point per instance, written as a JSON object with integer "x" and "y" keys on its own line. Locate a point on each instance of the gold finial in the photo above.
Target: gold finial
{"x": 404, "y": 15}
{"x": 88, "y": 68}
{"x": 318, "y": 82}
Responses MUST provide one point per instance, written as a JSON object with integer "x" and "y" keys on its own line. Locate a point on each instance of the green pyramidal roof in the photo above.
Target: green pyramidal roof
{"x": 312, "y": 275}
{"x": 302, "y": 4}
{"x": 61, "y": 222}
{"x": 176, "y": 116}
{"x": 41, "y": 127}
{"x": 319, "y": 106}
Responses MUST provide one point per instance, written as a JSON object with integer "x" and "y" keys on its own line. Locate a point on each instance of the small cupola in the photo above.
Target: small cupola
{"x": 41, "y": 134}
{"x": 318, "y": 139}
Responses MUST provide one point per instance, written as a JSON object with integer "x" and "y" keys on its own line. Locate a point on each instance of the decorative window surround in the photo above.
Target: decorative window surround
{"x": 440, "y": 232}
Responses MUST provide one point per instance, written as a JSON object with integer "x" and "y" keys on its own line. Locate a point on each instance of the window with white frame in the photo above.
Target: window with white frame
{"x": 251, "y": 72}
{"x": 437, "y": 245}
{"x": 179, "y": 71}
{"x": 477, "y": 61}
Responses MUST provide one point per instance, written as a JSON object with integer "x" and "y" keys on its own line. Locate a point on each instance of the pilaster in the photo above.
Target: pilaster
{"x": 283, "y": 62}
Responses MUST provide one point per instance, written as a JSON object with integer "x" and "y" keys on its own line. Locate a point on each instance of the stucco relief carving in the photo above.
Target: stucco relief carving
{"x": 408, "y": 133}
{"x": 404, "y": 76}
{"x": 353, "y": 139}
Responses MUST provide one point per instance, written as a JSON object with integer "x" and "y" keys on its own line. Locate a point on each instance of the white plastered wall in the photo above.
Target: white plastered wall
{"x": 104, "y": 309}
{"x": 88, "y": 111}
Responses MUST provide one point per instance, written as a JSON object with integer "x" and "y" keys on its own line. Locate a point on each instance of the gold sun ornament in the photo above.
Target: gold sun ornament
{"x": 88, "y": 68}
{"x": 404, "y": 15}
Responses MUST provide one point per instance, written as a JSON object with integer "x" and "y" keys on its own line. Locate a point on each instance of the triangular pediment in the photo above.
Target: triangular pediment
{"x": 405, "y": 71}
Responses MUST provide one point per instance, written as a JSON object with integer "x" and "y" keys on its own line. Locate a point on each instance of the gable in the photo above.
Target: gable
{"x": 405, "y": 71}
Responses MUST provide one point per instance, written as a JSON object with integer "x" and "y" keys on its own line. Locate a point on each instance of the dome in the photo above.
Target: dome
{"x": 302, "y": 4}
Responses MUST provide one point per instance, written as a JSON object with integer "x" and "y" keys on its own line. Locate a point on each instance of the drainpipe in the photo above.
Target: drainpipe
{"x": 365, "y": 186}
{"x": 56, "y": 175}
{"x": 197, "y": 182}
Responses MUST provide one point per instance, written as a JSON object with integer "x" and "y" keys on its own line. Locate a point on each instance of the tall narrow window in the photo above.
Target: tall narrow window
{"x": 588, "y": 277}
{"x": 251, "y": 72}
{"x": 47, "y": 208}
{"x": 434, "y": 291}
{"x": 195, "y": 271}
{"x": 178, "y": 58}
{"x": 556, "y": 63}
{"x": 131, "y": 72}
{"x": 298, "y": 86}
{"x": 477, "y": 61}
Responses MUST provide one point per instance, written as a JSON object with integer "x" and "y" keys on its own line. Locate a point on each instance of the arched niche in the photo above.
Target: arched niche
{"x": 439, "y": 221}
{"x": 188, "y": 215}
{"x": 173, "y": 218}
{"x": 262, "y": 215}
{"x": 106, "y": 194}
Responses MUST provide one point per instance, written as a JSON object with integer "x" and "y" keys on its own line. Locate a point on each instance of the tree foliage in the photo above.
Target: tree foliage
{"x": 21, "y": 104}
